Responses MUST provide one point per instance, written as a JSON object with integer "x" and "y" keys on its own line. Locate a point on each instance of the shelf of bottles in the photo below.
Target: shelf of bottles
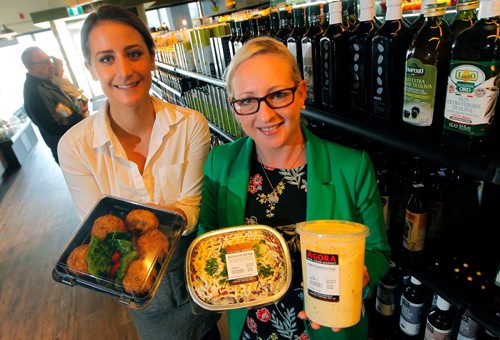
{"x": 455, "y": 263}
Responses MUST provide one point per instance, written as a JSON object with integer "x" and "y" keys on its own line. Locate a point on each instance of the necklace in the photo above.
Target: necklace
{"x": 273, "y": 196}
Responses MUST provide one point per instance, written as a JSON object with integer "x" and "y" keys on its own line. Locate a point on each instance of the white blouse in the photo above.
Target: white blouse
{"x": 94, "y": 163}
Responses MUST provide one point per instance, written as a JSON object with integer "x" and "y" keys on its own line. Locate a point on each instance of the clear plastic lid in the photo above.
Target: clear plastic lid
{"x": 237, "y": 267}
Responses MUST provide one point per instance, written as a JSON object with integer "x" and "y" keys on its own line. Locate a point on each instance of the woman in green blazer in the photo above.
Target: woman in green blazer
{"x": 282, "y": 174}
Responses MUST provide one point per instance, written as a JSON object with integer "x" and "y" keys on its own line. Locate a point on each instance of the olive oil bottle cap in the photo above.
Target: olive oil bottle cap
{"x": 335, "y": 11}
{"x": 435, "y": 10}
{"x": 390, "y": 3}
{"x": 442, "y": 304}
{"x": 464, "y": 5}
{"x": 366, "y": 10}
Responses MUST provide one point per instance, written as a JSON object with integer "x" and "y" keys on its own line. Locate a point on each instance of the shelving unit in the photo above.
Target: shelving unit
{"x": 480, "y": 303}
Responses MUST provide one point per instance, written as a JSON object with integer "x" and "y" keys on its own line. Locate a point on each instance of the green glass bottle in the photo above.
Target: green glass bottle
{"x": 417, "y": 24}
{"x": 426, "y": 74}
{"x": 471, "y": 111}
{"x": 293, "y": 42}
{"x": 310, "y": 47}
{"x": 389, "y": 46}
{"x": 466, "y": 16}
{"x": 333, "y": 61}
{"x": 285, "y": 27}
{"x": 359, "y": 59}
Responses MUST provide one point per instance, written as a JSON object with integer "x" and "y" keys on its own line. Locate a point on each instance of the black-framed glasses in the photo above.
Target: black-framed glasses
{"x": 275, "y": 100}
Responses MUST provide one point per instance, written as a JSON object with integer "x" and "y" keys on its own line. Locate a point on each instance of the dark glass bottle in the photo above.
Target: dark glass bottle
{"x": 263, "y": 26}
{"x": 274, "y": 23}
{"x": 437, "y": 203}
{"x": 325, "y": 17}
{"x": 426, "y": 74}
{"x": 417, "y": 210}
{"x": 439, "y": 321}
{"x": 417, "y": 24}
{"x": 237, "y": 37}
{"x": 234, "y": 35}
{"x": 412, "y": 307}
{"x": 285, "y": 29}
{"x": 359, "y": 60}
{"x": 469, "y": 328}
{"x": 310, "y": 47}
{"x": 471, "y": 111}
{"x": 389, "y": 46}
{"x": 254, "y": 27}
{"x": 466, "y": 16}
{"x": 349, "y": 14}
{"x": 293, "y": 42}
{"x": 383, "y": 188}
{"x": 333, "y": 60}
{"x": 387, "y": 302}
{"x": 245, "y": 35}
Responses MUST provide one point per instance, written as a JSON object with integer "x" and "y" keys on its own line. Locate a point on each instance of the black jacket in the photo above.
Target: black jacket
{"x": 51, "y": 109}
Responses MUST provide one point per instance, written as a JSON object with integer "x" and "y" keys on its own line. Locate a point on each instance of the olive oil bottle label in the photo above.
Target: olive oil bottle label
{"x": 292, "y": 47}
{"x": 472, "y": 96}
{"x": 414, "y": 231}
{"x": 411, "y": 315}
{"x": 307, "y": 65}
{"x": 419, "y": 92}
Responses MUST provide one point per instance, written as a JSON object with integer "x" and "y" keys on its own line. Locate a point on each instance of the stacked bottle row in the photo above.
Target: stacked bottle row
{"x": 404, "y": 308}
{"x": 425, "y": 202}
{"x": 419, "y": 76}
{"x": 208, "y": 99}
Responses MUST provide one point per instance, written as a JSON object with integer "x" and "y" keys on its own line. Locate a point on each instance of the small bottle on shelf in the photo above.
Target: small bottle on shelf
{"x": 439, "y": 321}
{"x": 412, "y": 308}
{"x": 468, "y": 329}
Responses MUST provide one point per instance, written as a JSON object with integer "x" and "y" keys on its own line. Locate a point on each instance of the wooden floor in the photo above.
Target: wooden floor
{"x": 37, "y": 220}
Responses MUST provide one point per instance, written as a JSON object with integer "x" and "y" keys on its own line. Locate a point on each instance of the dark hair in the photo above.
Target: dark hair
{"x": 118, "y": 14}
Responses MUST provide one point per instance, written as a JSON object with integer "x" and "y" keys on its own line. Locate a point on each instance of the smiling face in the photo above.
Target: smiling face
{"x": 256, "y": 77}
{"x": 121, "y": 61}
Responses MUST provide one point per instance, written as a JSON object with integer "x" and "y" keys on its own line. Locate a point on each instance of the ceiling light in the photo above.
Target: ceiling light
{"x": 7, "y": 33}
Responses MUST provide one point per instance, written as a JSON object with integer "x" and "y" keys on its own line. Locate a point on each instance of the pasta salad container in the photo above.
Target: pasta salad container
{"x": 236, "y": 267}
{"x": 122, "y": 248}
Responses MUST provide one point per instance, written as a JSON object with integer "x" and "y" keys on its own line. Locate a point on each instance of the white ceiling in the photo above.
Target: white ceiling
{"x": 12, "y": 11}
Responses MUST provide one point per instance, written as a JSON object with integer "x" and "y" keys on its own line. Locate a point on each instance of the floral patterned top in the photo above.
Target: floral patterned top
{"x": 277, "y": 198}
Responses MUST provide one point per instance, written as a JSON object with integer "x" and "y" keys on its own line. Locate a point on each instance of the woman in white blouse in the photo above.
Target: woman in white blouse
{"x": 143, "y": 149}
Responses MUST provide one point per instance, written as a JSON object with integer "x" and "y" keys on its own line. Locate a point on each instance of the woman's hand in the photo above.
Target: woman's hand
{"x": 302, "y": 314}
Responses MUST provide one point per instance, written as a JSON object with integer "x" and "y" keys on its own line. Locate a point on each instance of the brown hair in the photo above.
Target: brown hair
{"x": 118, "y": 14}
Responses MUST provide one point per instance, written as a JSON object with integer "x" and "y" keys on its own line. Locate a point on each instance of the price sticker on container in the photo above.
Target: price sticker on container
{"x": 323, "y": 276}
{"x": 241, "y": 264}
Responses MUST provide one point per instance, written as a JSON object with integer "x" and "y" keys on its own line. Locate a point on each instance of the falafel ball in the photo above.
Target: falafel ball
{"x": 153, "y": 244}
{"x": 141, "y": 220}
{"x": 106, "y": 224}
{"x": 77, "y": 260}
{"x": 139, "y": 277}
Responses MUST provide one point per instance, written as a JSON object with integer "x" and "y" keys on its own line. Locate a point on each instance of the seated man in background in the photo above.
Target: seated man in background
{"x": 48, "y": 106}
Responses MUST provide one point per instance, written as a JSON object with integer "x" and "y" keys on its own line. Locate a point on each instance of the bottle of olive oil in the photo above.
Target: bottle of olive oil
{"x": 466, "y": 16}
{"x": 419, "y": 21}
{"x": 310, "y": 47}
{"x": 473, "y": 84}
{"x": 293, "y": 42}
{"x": 333, "y": 61}
{"x": 246, "y": 34}
{"x": 389, "y": 46}
{"x": 263, "y": 26}
{"x": 325, "y": 16}
{"x": 359, "y": 59}
{"x": 427, "y": 62}
{"x": 274, "y": 23}
{"x": 285, "y": 25}
{"x": 349, "y": 14}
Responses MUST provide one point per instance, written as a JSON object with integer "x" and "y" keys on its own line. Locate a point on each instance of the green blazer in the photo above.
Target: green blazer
{"x": 341, "y": 185}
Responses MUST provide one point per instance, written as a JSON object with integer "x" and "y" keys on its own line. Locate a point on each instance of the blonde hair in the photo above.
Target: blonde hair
{"x": 259, "y": 46}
